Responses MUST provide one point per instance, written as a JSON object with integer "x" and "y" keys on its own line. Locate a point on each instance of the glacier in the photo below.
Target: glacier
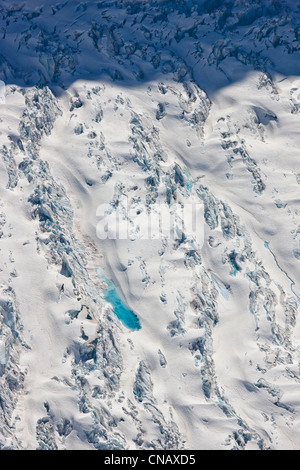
{"x": 134, "y": 105}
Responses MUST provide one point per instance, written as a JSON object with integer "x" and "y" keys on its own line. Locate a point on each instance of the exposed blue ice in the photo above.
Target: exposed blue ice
{"x": 223, "y": 290}
{"x": 121, "y": 310}
{"x": 189, "y": 182}
{"x": 232, "y": 258}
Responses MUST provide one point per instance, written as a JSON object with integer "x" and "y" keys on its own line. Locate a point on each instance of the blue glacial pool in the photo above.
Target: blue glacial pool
{"x": 121, "y": 310}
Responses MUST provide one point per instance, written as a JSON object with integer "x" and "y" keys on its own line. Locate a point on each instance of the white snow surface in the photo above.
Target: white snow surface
{"x": 149, "y": 102}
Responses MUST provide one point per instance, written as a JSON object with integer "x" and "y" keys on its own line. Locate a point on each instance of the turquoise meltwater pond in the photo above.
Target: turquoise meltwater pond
{"x": 121, "y": 310}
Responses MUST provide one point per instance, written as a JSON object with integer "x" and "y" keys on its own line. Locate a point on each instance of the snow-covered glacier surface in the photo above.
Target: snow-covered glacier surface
{"x": 160, "y": 342}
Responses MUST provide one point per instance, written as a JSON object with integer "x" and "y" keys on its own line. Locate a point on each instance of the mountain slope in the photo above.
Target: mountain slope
{"x": 128, "y": 109}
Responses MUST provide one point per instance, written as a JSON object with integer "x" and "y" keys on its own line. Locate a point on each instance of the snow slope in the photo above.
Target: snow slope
{"x": 136, "y": 104}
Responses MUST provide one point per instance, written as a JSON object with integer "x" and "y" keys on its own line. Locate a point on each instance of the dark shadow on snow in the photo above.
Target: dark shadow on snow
{"x": 212, "y": 42}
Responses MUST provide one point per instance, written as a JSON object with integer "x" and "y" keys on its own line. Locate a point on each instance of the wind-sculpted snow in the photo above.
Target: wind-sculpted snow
{"x": 131, "y": 111}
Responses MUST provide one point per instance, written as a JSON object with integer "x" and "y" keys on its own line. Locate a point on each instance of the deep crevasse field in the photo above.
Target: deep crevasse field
{"x": 148, "y": 103}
